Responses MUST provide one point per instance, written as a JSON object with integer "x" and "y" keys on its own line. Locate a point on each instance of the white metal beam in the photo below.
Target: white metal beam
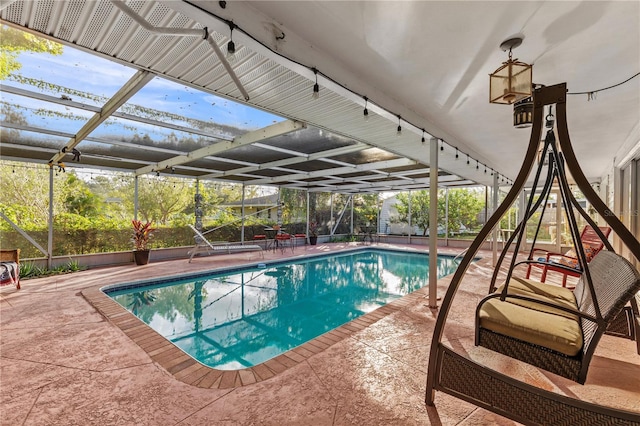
{"x": 433, "y": 225}
{"x": 293, "y": 160}
{"x": 337, "y": 171}
{"x": 130, "y": 88}
{"x": 249, "y": 138}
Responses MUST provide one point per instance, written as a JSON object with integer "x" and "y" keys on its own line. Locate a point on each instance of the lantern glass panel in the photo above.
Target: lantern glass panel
{"x": 510, "y": 83}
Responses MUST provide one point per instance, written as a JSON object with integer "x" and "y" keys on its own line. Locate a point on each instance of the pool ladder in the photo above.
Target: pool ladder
{"x": 462, "y": 253}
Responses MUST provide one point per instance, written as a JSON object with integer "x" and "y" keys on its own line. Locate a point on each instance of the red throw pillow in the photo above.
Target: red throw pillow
{"x": 589, "y": 252}
{"x": 572, "y": 262}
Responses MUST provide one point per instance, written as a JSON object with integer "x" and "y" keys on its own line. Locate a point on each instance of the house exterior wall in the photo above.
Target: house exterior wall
{"x": 620, "y": 190}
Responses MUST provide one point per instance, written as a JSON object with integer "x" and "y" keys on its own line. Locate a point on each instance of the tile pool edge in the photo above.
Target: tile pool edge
{"x": 190, "y": 371}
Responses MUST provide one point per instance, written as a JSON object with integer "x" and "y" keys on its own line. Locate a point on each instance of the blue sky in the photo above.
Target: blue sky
{"x": 85, "y": 72}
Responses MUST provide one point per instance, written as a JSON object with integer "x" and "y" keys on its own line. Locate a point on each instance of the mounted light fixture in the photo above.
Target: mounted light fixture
{"x": 423, "y": 140}
{"x": 316, "y": 87}
{"x": 399, "y": 130}
{"x": 366, "y": 111}
{"x": 512, "y": 81}
{"x": 523, "y": 113}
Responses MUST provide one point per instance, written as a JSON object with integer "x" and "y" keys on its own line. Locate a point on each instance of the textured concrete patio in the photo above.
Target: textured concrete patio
{"x": 64, "y": 362}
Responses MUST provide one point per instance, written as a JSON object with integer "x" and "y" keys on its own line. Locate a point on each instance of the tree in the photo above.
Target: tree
{"x": 464, "y": 207}
{"x": 160, "y": 198}
{"x": 79, "y": 199}
{"x": 419, "y": 209}
{"x": 25, "y": 195}
{"x": 13, "y": 41}
{"x": 295, "y": 204}
{"x": 365, "y": 208}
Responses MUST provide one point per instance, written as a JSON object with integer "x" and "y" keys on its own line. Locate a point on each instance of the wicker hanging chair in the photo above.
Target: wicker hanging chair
{"x": 548, "y": 326}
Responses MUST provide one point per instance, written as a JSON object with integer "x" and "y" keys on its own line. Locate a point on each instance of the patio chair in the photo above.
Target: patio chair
{"x": 202, "y": 244}
{"x": 10, "y": 267}
{"x": 261, "y": 238}
{"x": 299, "y": 237}
{"x": 283, "y": 240}
{"x": 567, "y": 264}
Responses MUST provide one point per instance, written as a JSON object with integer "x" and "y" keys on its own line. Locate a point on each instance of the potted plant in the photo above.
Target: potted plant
{"x": 313, "y": 233}
{"x": 141, "y": 235}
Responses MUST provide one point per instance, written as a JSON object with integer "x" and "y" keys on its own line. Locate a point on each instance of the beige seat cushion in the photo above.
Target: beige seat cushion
{"x": 557, "y": 332}
{"x": 549, "y": 293}
{"x": 548, "y": 290}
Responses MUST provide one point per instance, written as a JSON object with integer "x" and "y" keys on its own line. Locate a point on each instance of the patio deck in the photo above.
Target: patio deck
{"x": 62, "y": 362}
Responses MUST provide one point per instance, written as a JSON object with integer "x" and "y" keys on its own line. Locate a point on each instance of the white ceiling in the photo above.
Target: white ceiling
{"x": 423, "y": 60}
{"x": 429, "y": 61}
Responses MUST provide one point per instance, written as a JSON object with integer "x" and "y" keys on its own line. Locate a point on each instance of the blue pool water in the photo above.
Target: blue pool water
{"x": 240, "y": 318}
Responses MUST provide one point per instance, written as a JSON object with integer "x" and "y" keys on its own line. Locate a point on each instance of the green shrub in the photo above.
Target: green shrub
{"x": 31, "y": 270}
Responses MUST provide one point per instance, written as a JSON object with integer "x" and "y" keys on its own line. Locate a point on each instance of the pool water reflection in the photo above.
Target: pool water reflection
{"x": 243, "y": 318}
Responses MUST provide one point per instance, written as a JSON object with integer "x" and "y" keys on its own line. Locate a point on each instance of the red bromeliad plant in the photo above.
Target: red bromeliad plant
{"x": 141, "y": 234}
{"x": 313, "y": 229}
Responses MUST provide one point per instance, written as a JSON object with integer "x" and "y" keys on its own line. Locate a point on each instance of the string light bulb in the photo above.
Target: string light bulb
{"x": 365, "y": 113}
{"x": 231, "y": 46}
{"x": 467, "y": 159}
{"x": 399, "y": 131}
{"x": 441, "y": 145}
{"x": 423, "y": 139}
{"x": 316, "y": 87}
{"x": 456, "y": 153}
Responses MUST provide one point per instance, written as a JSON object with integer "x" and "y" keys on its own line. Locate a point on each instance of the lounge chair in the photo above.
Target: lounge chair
{"x": 567, "y": 264}
{"x": 10, "y": 267}
{"x": 203, "y": 245}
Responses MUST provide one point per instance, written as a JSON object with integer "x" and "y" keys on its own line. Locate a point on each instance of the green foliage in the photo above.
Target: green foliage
{"x": 159, "y": 198}
{"x": 79, "y": 198}
{"x": 73, "y": 266}
{"x": 295, "y": 204}
{"x": 508, "y": 221}
{"x": 69, "y": 221}
{"x": 365, "y": 209}
{"x": 31, "y": 270}
{"x": 464, "y": 207}
{"x": 419, "y": 209}
{"x": 13, "y": 41}
{"x": 25, "y": 195}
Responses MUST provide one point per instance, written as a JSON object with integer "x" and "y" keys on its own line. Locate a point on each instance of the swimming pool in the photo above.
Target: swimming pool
{"x": 242, "y": 317}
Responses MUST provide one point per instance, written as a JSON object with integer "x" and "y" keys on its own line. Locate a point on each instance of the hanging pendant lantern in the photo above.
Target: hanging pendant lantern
{"x": 512, "y": 81}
